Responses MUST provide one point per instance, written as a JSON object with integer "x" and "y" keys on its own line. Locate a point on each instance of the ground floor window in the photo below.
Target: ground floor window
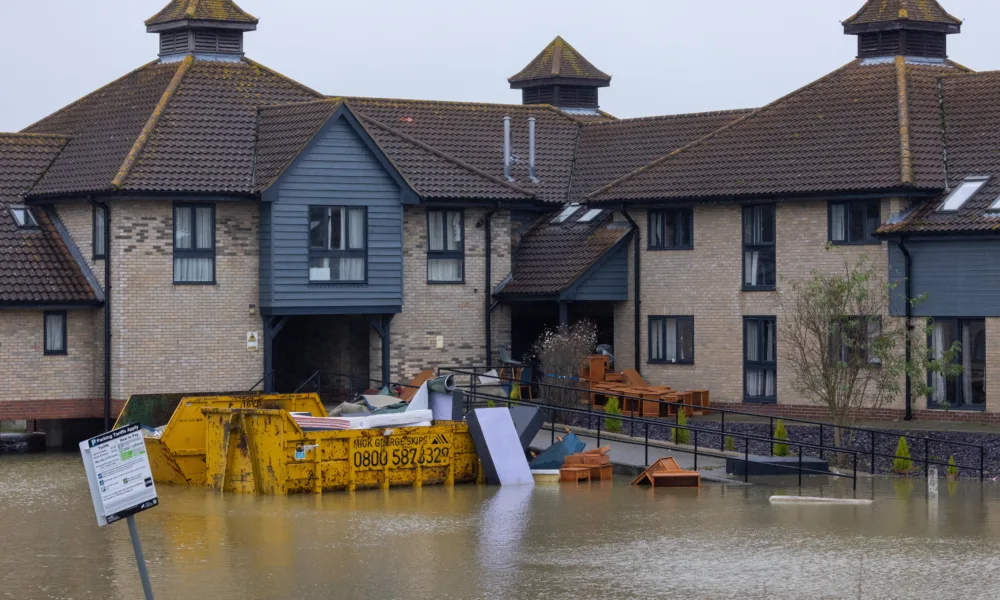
{"x": 968, "y": 390}
{"x": 55, "y": 332}
{"x": 671, "y": 340}
{"x": 760, "y": 362}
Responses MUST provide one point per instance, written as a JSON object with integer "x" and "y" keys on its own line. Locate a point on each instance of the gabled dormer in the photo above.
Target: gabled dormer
{"x": 914, "y": 28}
{"x": 204, "y": 27}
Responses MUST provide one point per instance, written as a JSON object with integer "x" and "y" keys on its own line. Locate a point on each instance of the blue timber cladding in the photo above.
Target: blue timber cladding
{"x": 336, "y": 169}
{"x": 960, "y": 277}
{"x": 607, "y": 280}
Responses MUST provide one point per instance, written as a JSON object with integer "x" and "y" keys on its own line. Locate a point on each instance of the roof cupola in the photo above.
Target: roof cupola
{"x": 204, "y": 27}
{"x": 562, "y": 77}
{"x": 915, "y": 28}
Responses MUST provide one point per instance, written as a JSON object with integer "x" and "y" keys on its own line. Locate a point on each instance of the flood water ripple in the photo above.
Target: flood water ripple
{"x": 468, "y": 542}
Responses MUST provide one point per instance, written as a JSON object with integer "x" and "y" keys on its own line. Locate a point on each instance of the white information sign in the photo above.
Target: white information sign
{"x": 121, "y": 482}
{"x": 253, "y": 340}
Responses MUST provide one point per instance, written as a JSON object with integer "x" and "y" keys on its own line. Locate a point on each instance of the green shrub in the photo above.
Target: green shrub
{"x": 952, "y": 467}
{"x": 612, "y": 408}
{"x": 902, "y": 463}
{"x": 491, "y": 404}
{"x": 781, "y": 449}
{"x": 730, "y": 444}
{"x": 681, "y": 436}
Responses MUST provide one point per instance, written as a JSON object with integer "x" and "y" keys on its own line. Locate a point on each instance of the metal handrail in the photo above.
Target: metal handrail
{"x": 747, "y": 438}
{"x": 261, "y": 380}
{"x": 926, "y": 461}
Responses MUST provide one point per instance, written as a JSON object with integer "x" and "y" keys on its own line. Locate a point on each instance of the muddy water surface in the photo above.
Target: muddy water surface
{"x": 609, "y": 541}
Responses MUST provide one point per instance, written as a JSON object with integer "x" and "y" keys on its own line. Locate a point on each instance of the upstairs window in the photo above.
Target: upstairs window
{"x": 23, "y": 217}
{"x": 759, "y": 256}
{"x": 671, "y": 340}
{"x": 957, "y": 199}
{"x": 590, "y": 215}
{"x": 445, "y": 246}
{"x": 55, "y": 332}
{"x": 855, "y": 222}
{"x": 194, "y": 244}
{"x": 671, "y": 229}
{"x": 337, "y": 244}
{"x": 100, "y": 231}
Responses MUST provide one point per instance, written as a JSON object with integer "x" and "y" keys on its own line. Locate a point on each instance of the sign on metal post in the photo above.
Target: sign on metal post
{"x": 121, "y": 484}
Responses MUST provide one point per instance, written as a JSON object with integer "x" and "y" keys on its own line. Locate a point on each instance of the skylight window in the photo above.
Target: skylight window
{"x": 590, "y": 215}
{"x": 995, "y": 207}
{"x": 23, "y": 217}
{"x": 568, "y": 212}
{"x": 962, "y": 193}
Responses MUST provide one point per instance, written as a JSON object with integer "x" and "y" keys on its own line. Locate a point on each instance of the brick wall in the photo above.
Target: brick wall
{"x": 707, "y": 283}
{"x": 33, "y": 377}
{"x": 182, "y": 338}
{"x": 454, "y": 312}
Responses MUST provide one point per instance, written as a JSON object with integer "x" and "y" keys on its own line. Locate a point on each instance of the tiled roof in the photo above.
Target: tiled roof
{"x": 870, "y": 125}
{"x": 880, "y": 11}
{"x": 473, "y": 134}
{"x": 35, "y": 265}
{"x": 286, "y": 130}
{"x": 202, "y": 10}
{"x": 552, "y": 256}
{"x": 612, "y": 149}
{"x": 972, "y": 124}
{"x": 557, "y": 61}
{"x": 185, "y": 126}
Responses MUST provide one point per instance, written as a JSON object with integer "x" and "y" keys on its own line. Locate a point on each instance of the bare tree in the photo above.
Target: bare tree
{"x": 562, "y": 352}
{"x": 843, "y": 349}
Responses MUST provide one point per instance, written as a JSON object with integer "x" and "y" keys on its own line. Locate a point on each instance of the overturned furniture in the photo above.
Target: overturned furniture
{"x": 254, "y": 445}
{"x": 636, "y": 394}
{"x": 667, "y": 473}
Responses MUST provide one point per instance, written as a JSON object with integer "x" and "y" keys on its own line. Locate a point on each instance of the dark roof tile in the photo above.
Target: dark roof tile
{"x": 202, "y": 10}
{"x": 972, "y": 123}
{"x": 612, "y": 149}
{"x": 560, "y": 61}
{"x": 552, "y": 256}
{"x": 843, "y": 132}
{"x": 881, "y": 11}
{"x": 35, "y": 265}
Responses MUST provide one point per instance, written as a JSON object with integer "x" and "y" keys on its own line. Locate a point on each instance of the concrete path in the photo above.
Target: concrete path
{"x": 634, "y": 455}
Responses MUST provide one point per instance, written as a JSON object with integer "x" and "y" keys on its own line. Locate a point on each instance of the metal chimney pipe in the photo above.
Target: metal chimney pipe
{"x": 506, "y": 148}
{"x": 531, "y": 149}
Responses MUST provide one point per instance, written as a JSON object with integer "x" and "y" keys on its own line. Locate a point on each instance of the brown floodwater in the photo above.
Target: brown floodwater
{"x": 597, "y": 541}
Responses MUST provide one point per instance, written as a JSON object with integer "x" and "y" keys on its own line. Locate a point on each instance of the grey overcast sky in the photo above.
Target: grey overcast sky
{"x": 666, "y": 56}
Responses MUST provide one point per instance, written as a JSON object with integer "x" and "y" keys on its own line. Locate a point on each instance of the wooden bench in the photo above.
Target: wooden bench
{"x": 574, "y": 474}
{"x": 667, "y": 473}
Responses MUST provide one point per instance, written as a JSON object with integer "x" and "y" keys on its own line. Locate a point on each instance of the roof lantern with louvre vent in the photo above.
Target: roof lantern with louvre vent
{"x": 915, "y": 28}
{"x": 202, "y": 27}
{"x": 562, "y": 77}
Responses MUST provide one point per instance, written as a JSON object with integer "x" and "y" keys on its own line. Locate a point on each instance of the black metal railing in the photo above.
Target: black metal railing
{"x": 556, "y": 413}
{"x": 873, "y": 436}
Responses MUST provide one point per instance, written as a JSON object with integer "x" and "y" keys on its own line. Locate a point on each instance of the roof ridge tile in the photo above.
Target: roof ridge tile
{"x": 154, "y": 119}
{"x": 755, "y": 112}
{"x": 905, "y": 149}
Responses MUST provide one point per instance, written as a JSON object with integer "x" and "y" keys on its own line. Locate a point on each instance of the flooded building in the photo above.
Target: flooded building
{"x": 205, "y": 224}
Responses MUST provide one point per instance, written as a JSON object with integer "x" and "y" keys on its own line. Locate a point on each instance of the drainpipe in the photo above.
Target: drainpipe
{"x": 506, "y": 149}
{"x": 636, "y": 272}
{"x": 107, "y": 315}
{"x": 908, "y": 287}
{"x": 489, "y": 286}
